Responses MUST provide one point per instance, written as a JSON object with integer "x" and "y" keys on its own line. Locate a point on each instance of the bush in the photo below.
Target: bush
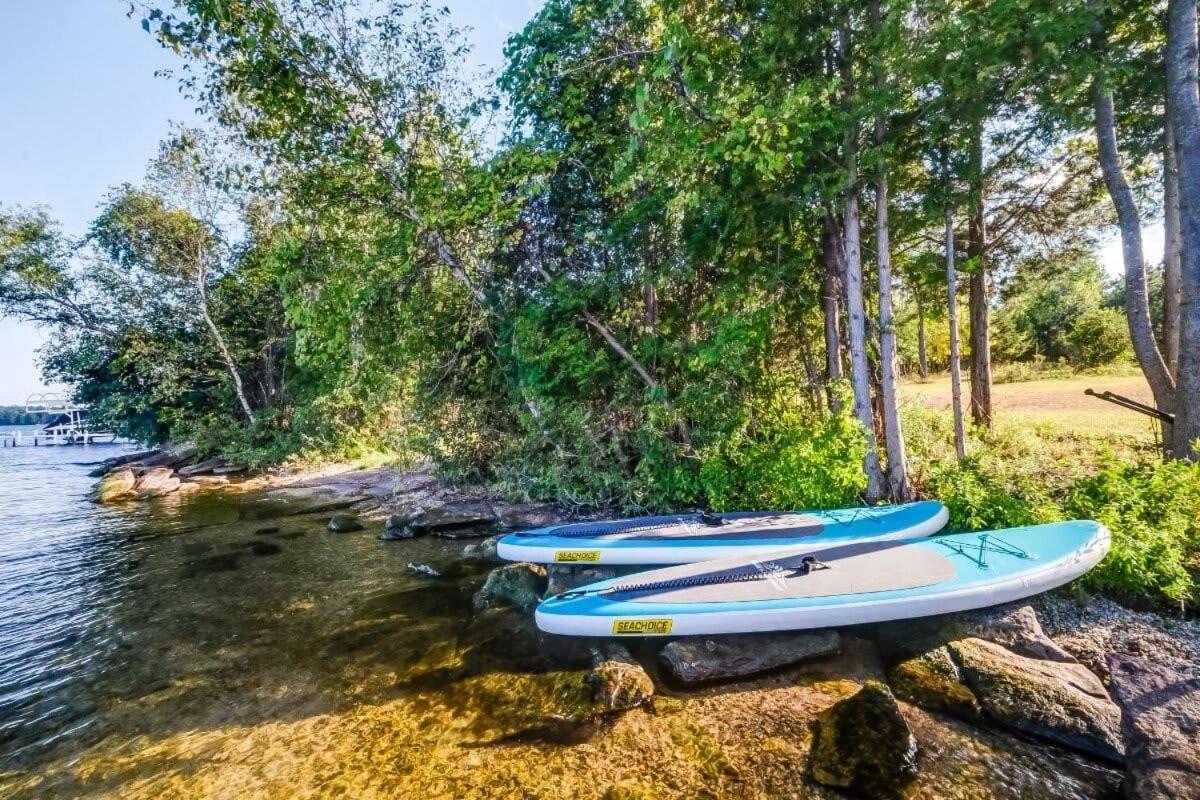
{"x": 1100, "y": 337}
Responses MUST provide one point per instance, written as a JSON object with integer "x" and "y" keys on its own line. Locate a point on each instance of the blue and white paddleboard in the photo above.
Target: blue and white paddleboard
{"x": 687, "y": 538}
{"x": 855, "y": 583}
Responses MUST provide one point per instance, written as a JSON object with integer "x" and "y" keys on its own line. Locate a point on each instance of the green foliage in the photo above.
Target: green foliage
{"x": 1100, "y": 337}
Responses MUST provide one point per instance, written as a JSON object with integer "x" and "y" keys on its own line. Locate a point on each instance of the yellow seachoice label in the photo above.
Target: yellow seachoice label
{"x": 642, "y": 627}
{"x": 577, "y": 556}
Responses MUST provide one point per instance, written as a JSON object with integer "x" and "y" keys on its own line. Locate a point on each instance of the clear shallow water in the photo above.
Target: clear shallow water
{"x": 223, "y": 645}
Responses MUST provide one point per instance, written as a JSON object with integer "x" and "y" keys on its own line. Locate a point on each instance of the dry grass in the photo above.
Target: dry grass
{"x": 1059, "y": 400}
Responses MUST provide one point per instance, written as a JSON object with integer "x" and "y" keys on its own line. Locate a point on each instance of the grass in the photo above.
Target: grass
{"x": 1058, "y": 401}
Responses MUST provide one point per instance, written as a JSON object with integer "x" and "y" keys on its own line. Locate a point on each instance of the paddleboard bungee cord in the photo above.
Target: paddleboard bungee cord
{"x": 765, "y": 570}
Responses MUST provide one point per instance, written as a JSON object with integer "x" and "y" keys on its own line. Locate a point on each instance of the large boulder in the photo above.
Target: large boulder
{"x": 156, "y": 482}
{"x": 702, "y": 660}
{"x": 115, "y": 486}
{"x": 452, "y": 520}
{"x": 1161, "y": 725}
{"x": 1061, "y": 702}
{"x": 864, "y": 745}
{"x": 517, "y": 585}
{"x": 531, "y": 515}
{"x": 1014, "y": 626}
{"x": 618, "y": 681}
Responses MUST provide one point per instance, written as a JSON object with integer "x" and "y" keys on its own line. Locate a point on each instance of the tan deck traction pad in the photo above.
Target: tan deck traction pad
{"x": 862, "y": 568}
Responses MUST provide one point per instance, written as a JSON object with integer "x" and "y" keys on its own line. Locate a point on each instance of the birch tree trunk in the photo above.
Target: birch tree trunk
{"x": 238, "y": 388}
{"x": 1137, "y": 305}
{"x": 855, "y": 311}
{"x": 1184, "y": 108}
{"x": 960, "y": 439}
{"x": 897, "y": 459}
{"x": 977, "y": 298}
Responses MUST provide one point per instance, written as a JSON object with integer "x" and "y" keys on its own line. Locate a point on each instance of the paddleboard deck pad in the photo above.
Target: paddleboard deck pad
{"x": 854, "y": 583}
{"x": 688, "y": 538}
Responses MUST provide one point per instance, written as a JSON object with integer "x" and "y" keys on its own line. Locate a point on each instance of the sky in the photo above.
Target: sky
{"x": 84, "y": 111}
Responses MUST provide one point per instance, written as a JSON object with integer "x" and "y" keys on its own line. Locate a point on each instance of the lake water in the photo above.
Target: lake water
{"x": 224, "y": 645}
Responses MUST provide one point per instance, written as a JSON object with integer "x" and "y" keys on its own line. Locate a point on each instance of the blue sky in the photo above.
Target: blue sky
{"x": 83, "y": 111}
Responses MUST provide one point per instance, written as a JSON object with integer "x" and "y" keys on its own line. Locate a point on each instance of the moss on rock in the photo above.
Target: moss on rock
{"x": 864, "y": 745}
{"x": 933, "y": 681}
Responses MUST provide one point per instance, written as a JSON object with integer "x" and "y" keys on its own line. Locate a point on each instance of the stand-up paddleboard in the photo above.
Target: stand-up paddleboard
{"x": 847, "y": 585}
{"x": 687, "y": 538}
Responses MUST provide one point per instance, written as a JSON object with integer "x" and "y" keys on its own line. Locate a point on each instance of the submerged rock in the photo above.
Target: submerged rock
{"x": 933, "y": 681}
{"x": 1062, "y": 702}
{"x": 115, "y": 486}
{"x": 344, "y": 523}
{"x": 864, "y": 745}
{"x": 1161, "y": 724}
{"x": 618, "y": 681}
{"x": 701, "y": 660}
{"x": 396, "y": 529}
{"x": 517, "y": 585}
{"x": 453, "y": 518}
{"x": 157, "y": 481}
{"x": 423, "y": 569}
{"x": 484, "y": 550}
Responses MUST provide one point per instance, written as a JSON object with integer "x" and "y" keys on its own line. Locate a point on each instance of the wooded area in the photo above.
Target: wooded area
{"x": 680, "y": 252}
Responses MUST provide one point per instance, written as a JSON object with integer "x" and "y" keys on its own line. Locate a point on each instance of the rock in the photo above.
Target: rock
{"x": 396, "y": 534}
{"x": 864, "y": 745}
{"x": 563, "y": 578}
{"x": 109, "y": 464}
{"x": 1015, "y": 627}
{"x": 618, "y": 681}
{"x": 344, "y": 523}
{"x": 454, "y": 517}
{"x": 933, "y": 681}
{"x": 531, "y": 515}
{"x": 187, "y": 487}
{"x": 1062, "y": 702}
{"x": 484, "y": 550}
{"x": 396, "y": 529}
{"x": 701, "y": 660}
{"x": 115, "y": 486}
{"x": 1161, "y": 724}
{"x": 418, "y": 481}
{"x": 423, "y": 569}
{"x": 202, "y": 467}
{"x": 229, "y": 469}
{"x": 156, "y": 482}
{"x": 517, "y": 585}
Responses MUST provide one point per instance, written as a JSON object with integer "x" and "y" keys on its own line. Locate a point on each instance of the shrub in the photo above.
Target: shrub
{"x": 1100, "y": 337}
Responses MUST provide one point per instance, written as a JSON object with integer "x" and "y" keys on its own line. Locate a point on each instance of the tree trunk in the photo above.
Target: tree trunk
{"x": 1137, "y": 305}
{"x": 960, "y": 439}
{"x": 230, "y": 365}
{"x": 1184, "y": 109}
{"x": 922, "y": 353}
{"x": 855, "y": 311}
{"x": 833, "y": 253}
{"x": 977, "y": 299}
{"x": 1171, "y": 251}
{"x": 897, "y": 460}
